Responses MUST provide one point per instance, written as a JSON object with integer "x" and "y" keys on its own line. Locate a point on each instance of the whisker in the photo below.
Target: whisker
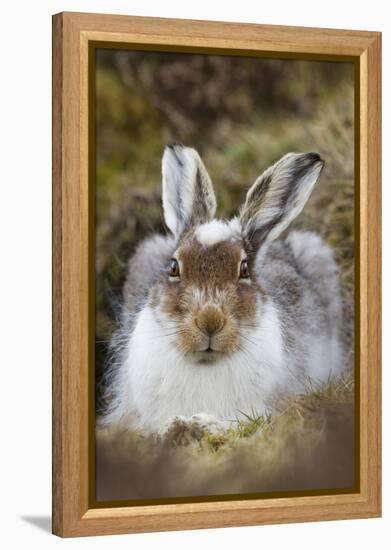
{"x": 248, "y": 339}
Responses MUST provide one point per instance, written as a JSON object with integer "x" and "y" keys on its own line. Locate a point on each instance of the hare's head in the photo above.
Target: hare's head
{"x": 209, "y": 294}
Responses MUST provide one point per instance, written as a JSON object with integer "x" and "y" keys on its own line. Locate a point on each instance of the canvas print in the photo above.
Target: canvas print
{"x": 224, "y": 277}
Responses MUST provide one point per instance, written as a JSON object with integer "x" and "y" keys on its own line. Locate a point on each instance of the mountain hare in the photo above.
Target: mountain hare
{"x": 220, "y": 317}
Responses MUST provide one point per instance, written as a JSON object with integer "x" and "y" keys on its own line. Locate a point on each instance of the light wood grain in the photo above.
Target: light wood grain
{"x": 72, "y": 34}
{"x": 373, "y": 268}
{"x": 57, "y": 461}
{"x": 221, "y": 35}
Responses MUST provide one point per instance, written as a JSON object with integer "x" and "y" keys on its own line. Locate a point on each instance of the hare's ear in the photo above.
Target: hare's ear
{"x": 188, "y": 196}
{"x": 278, "y": 196}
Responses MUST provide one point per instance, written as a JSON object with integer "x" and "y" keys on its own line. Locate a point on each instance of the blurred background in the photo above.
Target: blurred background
{"x": 242, "y": 114}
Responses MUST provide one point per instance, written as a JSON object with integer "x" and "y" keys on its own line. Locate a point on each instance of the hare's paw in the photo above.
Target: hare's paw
{"x": 209, "y": 423}
{"x": 182, "y": 430}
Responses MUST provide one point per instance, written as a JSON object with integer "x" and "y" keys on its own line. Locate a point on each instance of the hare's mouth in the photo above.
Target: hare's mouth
{"x": 207, "y": 356}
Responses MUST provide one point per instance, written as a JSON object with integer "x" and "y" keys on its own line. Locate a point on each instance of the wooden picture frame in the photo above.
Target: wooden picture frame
{"x": 74, "y": 36}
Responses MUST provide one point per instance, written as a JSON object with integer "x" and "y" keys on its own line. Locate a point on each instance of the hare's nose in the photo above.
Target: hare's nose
{"x": 210, "y": 320}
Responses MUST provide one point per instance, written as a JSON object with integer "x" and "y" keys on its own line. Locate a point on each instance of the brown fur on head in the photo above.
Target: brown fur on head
{"x": 209, "y": 300}
{"x": 210, "y": 290}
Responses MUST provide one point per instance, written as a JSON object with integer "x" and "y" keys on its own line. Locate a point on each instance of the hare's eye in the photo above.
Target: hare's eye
{"x": 244, "y": 271}
{"x": 174, "y": 268}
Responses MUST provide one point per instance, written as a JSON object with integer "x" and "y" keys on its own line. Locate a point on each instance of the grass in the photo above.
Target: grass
{"x": 309, "y": 408}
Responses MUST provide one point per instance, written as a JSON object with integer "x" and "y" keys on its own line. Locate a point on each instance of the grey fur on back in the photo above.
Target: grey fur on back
{"x": 300, "y": 274}
{"x": 144, "y": 268}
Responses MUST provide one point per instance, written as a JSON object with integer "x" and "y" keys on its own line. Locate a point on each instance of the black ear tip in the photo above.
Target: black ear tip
{"x": 174, "y": 145}
{"x": 314, "y": 157}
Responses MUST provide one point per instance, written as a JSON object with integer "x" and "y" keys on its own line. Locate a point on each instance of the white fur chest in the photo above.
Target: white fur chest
{"x": 158, "y": 382}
